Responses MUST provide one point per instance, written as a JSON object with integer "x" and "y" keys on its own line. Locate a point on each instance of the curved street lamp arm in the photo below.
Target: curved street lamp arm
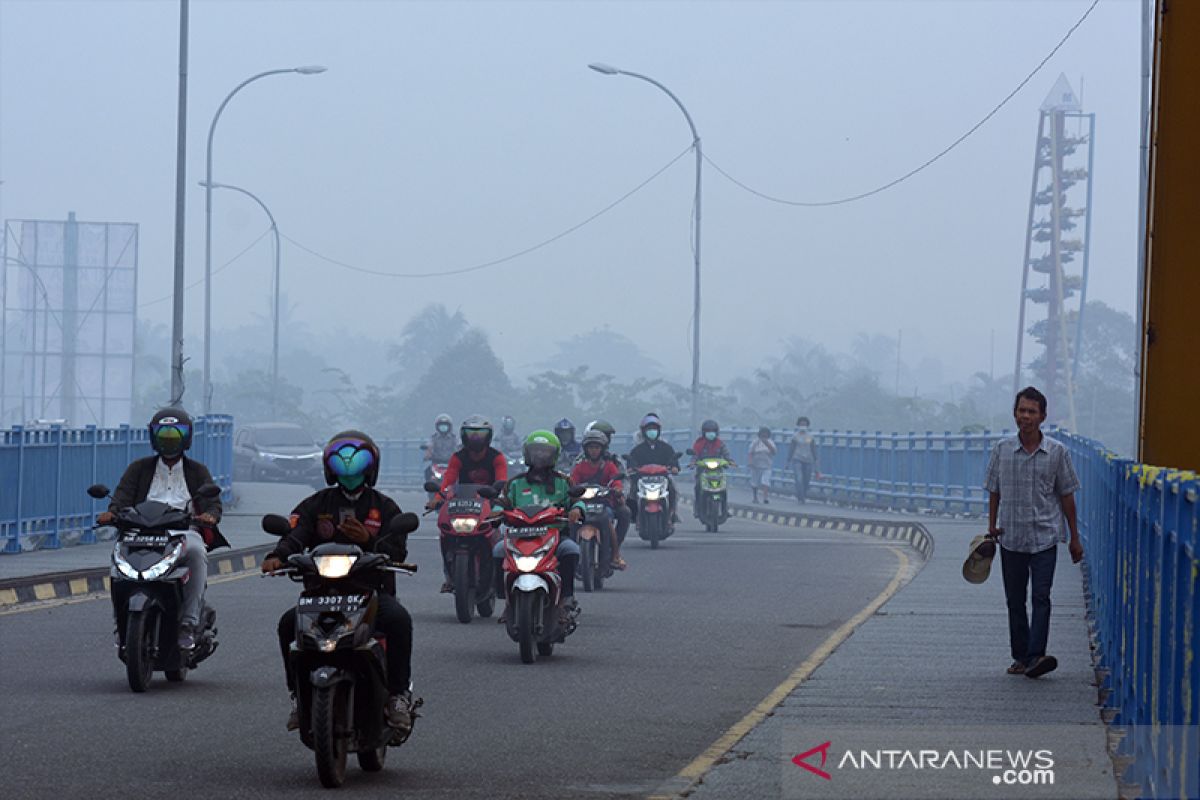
{"x": 670, "y": 94}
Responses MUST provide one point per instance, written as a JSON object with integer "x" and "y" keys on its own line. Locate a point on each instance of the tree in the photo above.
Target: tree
{"x": 425, "y": 337}
{"x": 603, "y": 351}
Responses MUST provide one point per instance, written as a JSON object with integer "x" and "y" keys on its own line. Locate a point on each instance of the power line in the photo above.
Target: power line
{"x": 935, "y": 158}
{"x": 191, "y": 286}
{"x": 497, "y": 261}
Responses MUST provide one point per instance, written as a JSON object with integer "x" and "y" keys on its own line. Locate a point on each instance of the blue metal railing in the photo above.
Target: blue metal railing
{"x": 45, "y": 472}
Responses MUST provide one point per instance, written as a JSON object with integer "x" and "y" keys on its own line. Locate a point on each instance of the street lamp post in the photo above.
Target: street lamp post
{"x": 208, "y": 179}
{"x": 605, "y": 69}
{"x": 275, "y": 301}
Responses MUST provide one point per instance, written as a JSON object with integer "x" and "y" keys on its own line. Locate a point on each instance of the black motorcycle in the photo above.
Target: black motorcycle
{"x": 338, "y": 659}
{"x": 146, "y": 586}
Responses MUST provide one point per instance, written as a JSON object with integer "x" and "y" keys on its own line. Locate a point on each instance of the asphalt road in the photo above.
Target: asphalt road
{"x": 676, "y": 651}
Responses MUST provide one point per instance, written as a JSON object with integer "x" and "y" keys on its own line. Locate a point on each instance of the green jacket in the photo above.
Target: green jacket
{"x": 520, "y": 493}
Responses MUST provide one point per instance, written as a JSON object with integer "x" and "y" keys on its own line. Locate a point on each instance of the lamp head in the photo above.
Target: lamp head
{"x": 604, "y": 69}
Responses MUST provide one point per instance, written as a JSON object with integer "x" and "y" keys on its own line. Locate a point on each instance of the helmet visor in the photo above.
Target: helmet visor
{"x": 476, "y": 438}
{"x": 169, "y": 437}
{"x": 540, "y": 456}
{"x": 349, "y": 460}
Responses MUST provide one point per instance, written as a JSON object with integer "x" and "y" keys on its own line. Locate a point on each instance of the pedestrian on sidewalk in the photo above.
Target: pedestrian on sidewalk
{"x": 802, "y": 455}
{"x": 760, "y": 457}
{"x": 1031, "y": 486}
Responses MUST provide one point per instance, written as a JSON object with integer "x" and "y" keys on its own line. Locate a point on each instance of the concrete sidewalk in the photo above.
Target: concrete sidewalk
{"x": 241, "y": 525}
{"x": 927, "y": 672}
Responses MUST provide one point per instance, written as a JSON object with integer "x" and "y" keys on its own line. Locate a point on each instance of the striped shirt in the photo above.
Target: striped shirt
{"x": 1031, "y": 486}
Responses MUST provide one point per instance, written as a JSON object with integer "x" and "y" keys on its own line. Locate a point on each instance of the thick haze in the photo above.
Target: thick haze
{"x": 448, "y": 134}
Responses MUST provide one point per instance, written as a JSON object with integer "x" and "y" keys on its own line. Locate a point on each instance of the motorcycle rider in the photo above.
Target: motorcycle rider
{"x": 542, "y": 485}
{"x": 708, "y": 445}
{"x": 352, "y": 511}
{"x": 564, "y": 429}
{"x": 171, "y": 477}
{"x": 508, "y": 442}
{"x": 441, "y": 444}
{"x": 620, "y": 509}
{"x": 652, "y": 450}
{"x": 597, "y": 468}
{"x": 476, "y": 463}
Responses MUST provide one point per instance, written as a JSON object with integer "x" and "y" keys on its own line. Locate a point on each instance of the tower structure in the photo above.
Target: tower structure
{"x": 1057, "y": 243}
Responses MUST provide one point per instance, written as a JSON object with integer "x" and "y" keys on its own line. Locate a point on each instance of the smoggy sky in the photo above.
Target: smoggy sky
{"x": 449, "y": 134}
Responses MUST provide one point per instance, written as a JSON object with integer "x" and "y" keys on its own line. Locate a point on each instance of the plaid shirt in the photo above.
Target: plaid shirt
{"x": 1031, "y": 486}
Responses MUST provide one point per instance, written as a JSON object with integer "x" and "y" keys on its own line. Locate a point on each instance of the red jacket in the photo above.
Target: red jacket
{"x": 489, "y": 467}
{"x": 606, "y": 473}
{"x": 703, "y": 448}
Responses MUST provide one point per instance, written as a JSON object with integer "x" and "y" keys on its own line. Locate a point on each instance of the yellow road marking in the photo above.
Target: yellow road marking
{"x": 44, "y": 591}
{"x": 8, "y": 597}
{"x": 79, "y": 586}
{"x": 52, "y": 602}
{"x": 706, "y": 760}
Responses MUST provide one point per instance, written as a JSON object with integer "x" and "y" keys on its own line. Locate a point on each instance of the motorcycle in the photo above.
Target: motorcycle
{"x": 653, "y": 503}
{"x": 532, "y": 585}
{"x": 339, "y": 661}
{"x": 146, "y": 587}
{"x": 465, "y": 519}
{"x": 594, "y": 535}
{"x": 713, "y": 506}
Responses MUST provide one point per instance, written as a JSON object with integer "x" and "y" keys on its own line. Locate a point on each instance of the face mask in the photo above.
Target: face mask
{"x": 804, "y": 430}
{"x": 443, "y": 428}
{"x": 710, "y": 435}
{"x": 652, "y": 434}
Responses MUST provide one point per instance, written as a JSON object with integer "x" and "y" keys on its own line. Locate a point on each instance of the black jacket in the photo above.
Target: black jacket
{"x": 135, "y": 486}
{"x": 315, "y": 521}
{"x": 657, "y": 452}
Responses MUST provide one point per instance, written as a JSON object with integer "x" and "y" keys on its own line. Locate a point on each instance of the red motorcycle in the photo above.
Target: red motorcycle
{"x": 465, "y": 520}
{"x": 532, "y": 585}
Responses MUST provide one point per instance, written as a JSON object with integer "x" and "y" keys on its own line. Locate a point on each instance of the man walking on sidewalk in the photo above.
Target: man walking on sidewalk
{"x": 1031, "y": 488}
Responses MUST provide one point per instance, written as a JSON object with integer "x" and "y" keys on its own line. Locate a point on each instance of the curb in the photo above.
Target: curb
{"x": 81, "y": 582}
{"x": 913, "y": 534}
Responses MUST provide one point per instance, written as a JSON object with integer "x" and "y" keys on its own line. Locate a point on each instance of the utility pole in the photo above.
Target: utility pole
{"x": 180, "y": 207}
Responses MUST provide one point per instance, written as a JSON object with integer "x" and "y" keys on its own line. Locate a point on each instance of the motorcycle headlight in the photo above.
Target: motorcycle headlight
{"x": 527, "y": 563}
{"x": 464, "y": 524}
{"x": 327, "y": 645}
{"x": 653, "y": 494}
{"x": 590, "y": 492}
{"x": 712, "y": 464}
{"x": 123, "y": 566}
{"x": 334, "y": 566}
{"x": 164, "y": 566}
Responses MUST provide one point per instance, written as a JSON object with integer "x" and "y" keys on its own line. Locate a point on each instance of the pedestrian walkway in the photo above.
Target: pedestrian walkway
{"x": 927, "y": 673}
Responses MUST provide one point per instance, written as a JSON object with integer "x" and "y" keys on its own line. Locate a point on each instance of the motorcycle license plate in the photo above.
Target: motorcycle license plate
{"x": 146, "y": 540}
{"x": 529, "y": 533}
{"x": 332, "y": 602}
{"x": 595, "y": 508}
{"x": 469, "y": 507}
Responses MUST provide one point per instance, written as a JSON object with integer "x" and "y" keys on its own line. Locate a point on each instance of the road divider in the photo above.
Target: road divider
{"x": 82, "y": 582}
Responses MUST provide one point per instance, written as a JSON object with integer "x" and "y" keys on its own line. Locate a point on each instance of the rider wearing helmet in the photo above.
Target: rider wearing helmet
{"x": 653, "y": 450}
{"x": 507, "y": 440}
{"x": 564, "y": 429}
{"x": 353, "y": 511}
{"x": 708, "y": 445}
{"x": 542, "y": 485}
{"x": 476, "y": 463}
{"x": 441, "y": 445}
{"x": 170, "y": 477}
{"x": 595, "y": 467}
{"x": 621, "y": 510}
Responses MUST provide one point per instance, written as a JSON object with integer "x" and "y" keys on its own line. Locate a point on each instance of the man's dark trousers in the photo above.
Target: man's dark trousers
{"x": 1028, "y": 641}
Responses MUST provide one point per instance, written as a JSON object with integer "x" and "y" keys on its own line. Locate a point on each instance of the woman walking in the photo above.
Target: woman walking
{"x": 761, "y": 457}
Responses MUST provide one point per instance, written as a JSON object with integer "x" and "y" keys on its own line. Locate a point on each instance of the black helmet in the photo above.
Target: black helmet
{"x": 170, "y": 431}
{"x": 710, "y": 425}
{"x": 351, "y": 459}
{"x": 594, "y": 436}
{"x": 564, "y": 429}
{"x": 603, "y": 426}
{"x": 476, "y": 432}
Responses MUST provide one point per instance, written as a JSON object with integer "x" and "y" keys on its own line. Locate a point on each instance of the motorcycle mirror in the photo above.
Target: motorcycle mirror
{"x": 424, "y": 447}
{"x": 432, "y": 486}
{"x": 691, "y": 452}
{"x": 209, "y": 491}
{"x": 98, "y": 491}
{"x": 403, "y": 524}
{"x": 487, "y": 492}
{"x": 276, "y": 525}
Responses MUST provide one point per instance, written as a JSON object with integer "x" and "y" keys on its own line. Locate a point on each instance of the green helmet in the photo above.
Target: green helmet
{"x": 541, "y": 449}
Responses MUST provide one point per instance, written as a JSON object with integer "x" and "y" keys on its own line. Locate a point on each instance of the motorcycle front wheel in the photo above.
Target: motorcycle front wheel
{"x": 463, "y": 599}
{"x": 328, "y": 717}
{"x": 372, "y": 760}
{"x": 526, "y": 608}
{"x": 139, "y": 644}
{"x": 587, "y": 563}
